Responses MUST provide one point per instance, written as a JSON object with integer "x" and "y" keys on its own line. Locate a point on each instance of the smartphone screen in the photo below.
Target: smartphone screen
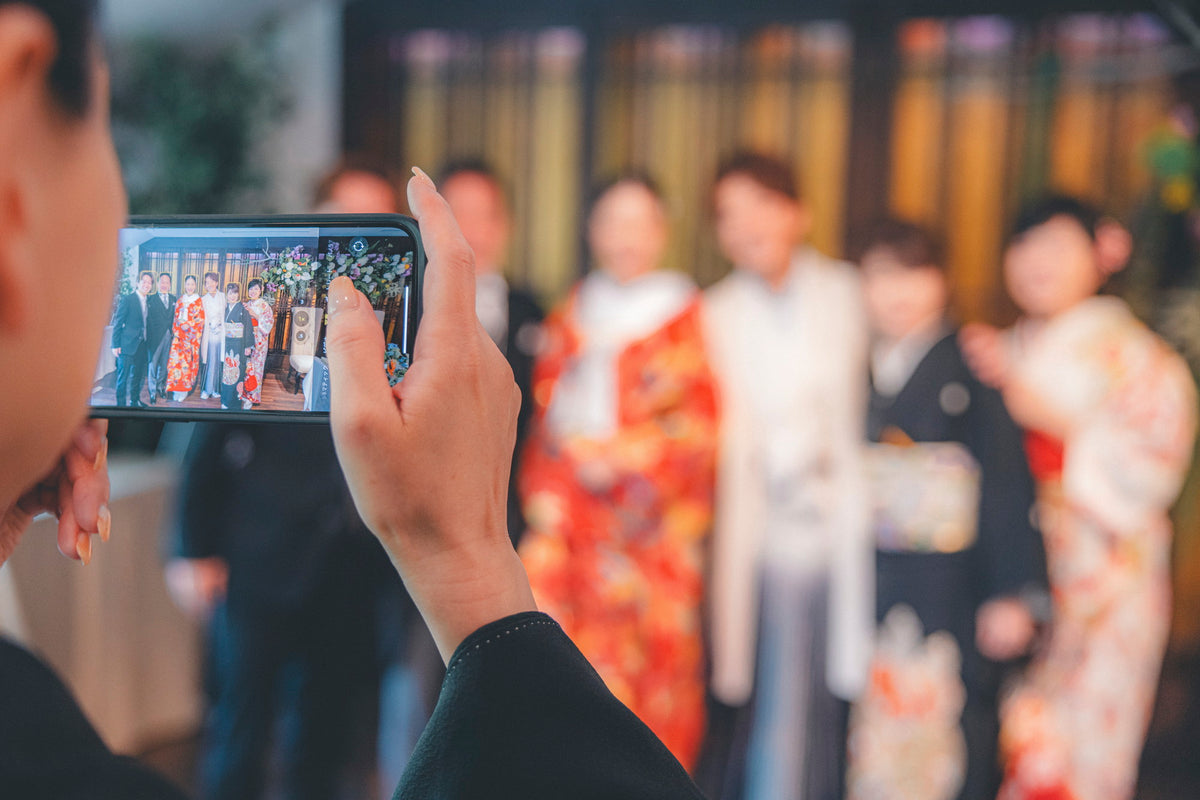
{"x": 224, "y": 317}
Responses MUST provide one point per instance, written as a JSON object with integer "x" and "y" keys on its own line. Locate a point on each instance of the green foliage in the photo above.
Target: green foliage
{"x": 186, "y": 123}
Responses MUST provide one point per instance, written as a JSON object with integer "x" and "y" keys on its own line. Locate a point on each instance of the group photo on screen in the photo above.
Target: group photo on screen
{"x": 236, "y": 323}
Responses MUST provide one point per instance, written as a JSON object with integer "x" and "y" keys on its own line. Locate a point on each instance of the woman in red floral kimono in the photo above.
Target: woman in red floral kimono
{"x": 262, "y": 319}
{"x": 183, "y": 363}
{"x": 617, "y": 478}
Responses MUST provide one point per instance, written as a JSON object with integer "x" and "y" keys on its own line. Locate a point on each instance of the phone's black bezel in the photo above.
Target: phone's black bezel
{"x": 399, "y": 221}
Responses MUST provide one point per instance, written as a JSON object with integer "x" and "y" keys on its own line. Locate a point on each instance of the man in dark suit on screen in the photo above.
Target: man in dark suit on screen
{"x": 160, "y": 313}
{"x": 129, "y": 342}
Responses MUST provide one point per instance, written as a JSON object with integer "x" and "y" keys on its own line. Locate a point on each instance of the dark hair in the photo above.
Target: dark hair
{"x": 254, "y": 282}
{"x": 233, "y": 287}
{"x": 635, "y": 176}
{"x": 769, "y": 172}
{"x": 74, "y": 23}
{"x": 187, "y": 278}
{"x": 913, "y": 245}
{"x": 350, "y": 164}
{"x": 164, "y": 275}
{"x": 215, "y": 277}
{"x": 468, "y": 166}
{"x": 144, "y": 273}
{"x": 1039, "y": 212}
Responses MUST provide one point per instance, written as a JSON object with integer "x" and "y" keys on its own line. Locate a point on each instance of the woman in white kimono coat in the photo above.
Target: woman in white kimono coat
{"x": 1110, "y": 417}
{"x": 793, "y": 573}
{"x": 212, "y": 342}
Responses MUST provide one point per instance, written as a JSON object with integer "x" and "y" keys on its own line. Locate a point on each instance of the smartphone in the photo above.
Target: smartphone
{"x": 223, "y": 317}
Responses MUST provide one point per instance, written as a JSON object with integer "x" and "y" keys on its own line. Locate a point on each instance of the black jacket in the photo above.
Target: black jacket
{"x": 128, "y": 330}
{"x": 271, "y": 500}
{"x": 521, "y": 715}
{"x": 159, "y": 319}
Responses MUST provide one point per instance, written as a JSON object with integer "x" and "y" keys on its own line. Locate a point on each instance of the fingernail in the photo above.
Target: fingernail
{"x": 101, "y": 455}
{"x": 85, "y": 438}
{"x": 83, "y": 547}
{"x": 342, "y": 295}
{"x": 420, "y": 173}
{"x": 104, "y": 522}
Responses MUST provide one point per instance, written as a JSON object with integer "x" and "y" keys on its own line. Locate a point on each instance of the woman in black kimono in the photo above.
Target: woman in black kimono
{"x": 961, "y": 576}
{"x": 239, "y": 343}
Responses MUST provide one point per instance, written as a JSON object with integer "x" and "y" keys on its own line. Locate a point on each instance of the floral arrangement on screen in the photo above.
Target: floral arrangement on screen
{"x": 395, "y": 363}
{"x": 377, "y": 272}
{"x": 291, "y": 271}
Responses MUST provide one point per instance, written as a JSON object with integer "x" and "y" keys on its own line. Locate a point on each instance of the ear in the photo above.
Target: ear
{"x": 27, "y": 49}
{"x": 1113, "y": 246}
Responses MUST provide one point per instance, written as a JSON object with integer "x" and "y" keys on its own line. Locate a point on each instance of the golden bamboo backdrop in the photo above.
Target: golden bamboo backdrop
{"x": 984, "y": 113}
{"x": 672, "y": 101}
{"x": 987, "y": 114}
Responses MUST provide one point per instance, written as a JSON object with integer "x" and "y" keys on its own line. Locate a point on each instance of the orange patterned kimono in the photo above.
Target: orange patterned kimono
{"x": 183, "y": 364}
{"x": 620, "y": 565}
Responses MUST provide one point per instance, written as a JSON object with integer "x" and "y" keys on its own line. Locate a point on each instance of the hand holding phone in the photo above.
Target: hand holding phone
{"x": 224, "y": 317}
{"x": 427, "y": 460}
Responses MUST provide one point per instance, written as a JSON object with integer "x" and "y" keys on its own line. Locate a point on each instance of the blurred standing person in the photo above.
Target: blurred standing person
{"x": 960, "y": 568}
{"x": 159, "y": 318}
{"x": 213, "y": 304}
{"x": 262, "y": 322}
{"x": 183, "y": 366}
{"x": 617, "y": 477}
{"x": 289, "y": 585}
{"x": 793, "y": 574}
{"x": 412, "y": 667}
{"x": 1110, "y": 415}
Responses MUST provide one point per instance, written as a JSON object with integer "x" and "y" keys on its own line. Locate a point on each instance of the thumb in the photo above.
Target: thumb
{"x": 355, "y": 346}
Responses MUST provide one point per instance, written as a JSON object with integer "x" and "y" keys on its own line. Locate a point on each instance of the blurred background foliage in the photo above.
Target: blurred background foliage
{"x": 188, "y": 123}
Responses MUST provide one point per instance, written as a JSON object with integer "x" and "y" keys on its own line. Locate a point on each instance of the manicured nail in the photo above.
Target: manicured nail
{"x": 101, "y": 455}
{"x": 104, "y": 522}
{"x": 342, "y": 295}
{"x": 83, "y": 547}
{"x": 86, "y": 438}
{"x": 420, "y": 173}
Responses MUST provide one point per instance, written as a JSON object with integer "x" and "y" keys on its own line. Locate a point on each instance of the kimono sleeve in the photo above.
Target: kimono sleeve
{"x": 1126, "y": 462}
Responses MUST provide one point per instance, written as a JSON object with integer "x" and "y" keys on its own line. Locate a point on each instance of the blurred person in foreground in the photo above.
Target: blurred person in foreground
{"x": 960, "y": 568}
{"x": 1110, "y": 414}
{"x": 272, "y": 551}
{"x": 793, "y": 576}
{"x": 521, "y": 713}
{"x": 617, "y": 478}
{"x": 412, "y": 669}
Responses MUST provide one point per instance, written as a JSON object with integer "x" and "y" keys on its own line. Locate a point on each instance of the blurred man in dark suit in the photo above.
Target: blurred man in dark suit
{"x": 129, "y": 342}
{"x": 160, "y": 313}
{"x": 273, "y": 553}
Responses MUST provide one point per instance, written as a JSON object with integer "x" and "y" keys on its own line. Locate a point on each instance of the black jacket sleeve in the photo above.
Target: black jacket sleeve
{"x": 202, "y": 511}
{"x": 48, "y": 749}
{"x": 523, "y": 715}
{"x": 1011, "y": 557}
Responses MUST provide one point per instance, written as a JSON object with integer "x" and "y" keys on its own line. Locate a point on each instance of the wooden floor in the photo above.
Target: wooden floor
{"x": 277, "y": 394}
